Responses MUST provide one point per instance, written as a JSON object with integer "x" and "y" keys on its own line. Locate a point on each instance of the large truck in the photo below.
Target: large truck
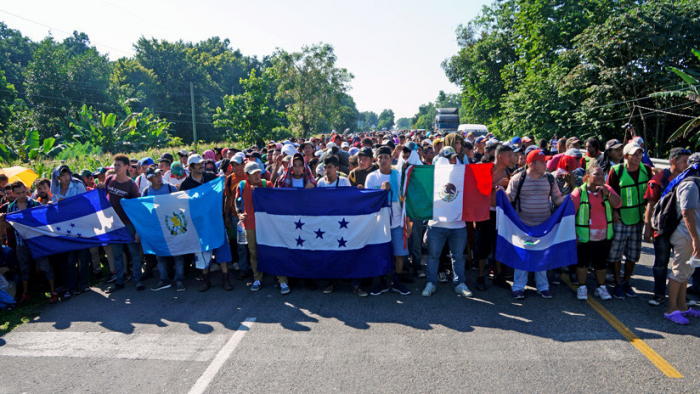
{"x": 446, "y": 120}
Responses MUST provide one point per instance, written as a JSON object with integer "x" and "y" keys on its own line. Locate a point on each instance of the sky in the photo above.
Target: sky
{"x": 393, "y": 48}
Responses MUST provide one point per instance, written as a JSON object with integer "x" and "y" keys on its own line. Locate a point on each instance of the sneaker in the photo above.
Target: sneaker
{"x": 256, "y": 286}
{"x": 442, "y": 277}
{"x": 400, "y": 288}
{"x": 67, "y": 295}
{"x": 429, "y": 289}
{"x": 26, "y": 297}
{"x": 420, "y": 274}
{"x": 180, "y": 286}
{"x": 160, "y": 286}
{"x": 284, "y": 289}
{"x": 690, "y": 302}
{"x": 111, "y": 278}
{"x": 113, "y": 288}
{"x": 480, "y": 283}
{"x": 691, "y": 313}
{"x": 54, "y": 298}
{"x": 463, "y": 290}
{"x": 519, "y": 294}
{"x": 329, "y": 289}
{"x": 548, "y": 294}
{"x": 602, "y": 293}
{"x": 357, "y": 290}
{"x": 657, "y": 300}
{"x": 379, "y": 289}
{"x": 582, "y": 293}
{"x": 628, "y": 290}
{"x": 677, "y": 317}
{"x": 619, "y": 293}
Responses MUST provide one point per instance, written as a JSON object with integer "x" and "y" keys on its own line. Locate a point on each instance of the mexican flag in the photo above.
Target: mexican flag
{"x": 448, "y": 192}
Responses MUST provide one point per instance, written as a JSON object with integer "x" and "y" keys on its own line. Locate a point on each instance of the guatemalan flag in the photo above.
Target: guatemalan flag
{"x": 180, "y": 223}
{"x": 448, "y": 192}
{"x": 75, "y": 223}
{"x": 547, "y": 246}
{"x": 328, "y": 233}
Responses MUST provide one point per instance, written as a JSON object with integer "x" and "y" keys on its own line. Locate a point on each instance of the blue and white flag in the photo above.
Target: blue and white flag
{"x": 180, "y": 223}
{"x": 323, "y": 233}
{"x": 549, "y": 245}
{"x": 78, "y": 222}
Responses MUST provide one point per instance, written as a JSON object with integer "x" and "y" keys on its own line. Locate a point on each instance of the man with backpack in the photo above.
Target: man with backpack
{"x": 662, "y": 244}
{"x": 686, "y": 244}
{"x": 533, "y": 192}
{"x": 629, "y": 180}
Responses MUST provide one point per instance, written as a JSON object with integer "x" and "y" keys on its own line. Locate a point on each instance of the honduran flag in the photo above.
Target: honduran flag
{"x": 448, "y": 192}
{"x": 549, "y": 245}
{"x": 331, "y": 233}
{"x": 180, "y": 223}
{"x": 75, "y": 223}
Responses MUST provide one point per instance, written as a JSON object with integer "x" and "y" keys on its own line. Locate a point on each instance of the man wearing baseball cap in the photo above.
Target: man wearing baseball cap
{"x": 358, "y": 176}
{"x": 629, "y": 180}
{"x": 230, "y": 217}
{"x": 480, "y": 147}
{"x": 540, "y": 190}
{"x": 611, "y": 156}
{"x": 141, "y": 180}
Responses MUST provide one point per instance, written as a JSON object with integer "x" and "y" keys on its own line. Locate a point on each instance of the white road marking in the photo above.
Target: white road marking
{"x": 223, "y": 355}
{"x": 189, "y": 347}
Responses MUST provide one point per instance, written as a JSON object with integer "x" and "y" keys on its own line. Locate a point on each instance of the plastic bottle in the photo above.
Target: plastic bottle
{"x": 695, "y": 263}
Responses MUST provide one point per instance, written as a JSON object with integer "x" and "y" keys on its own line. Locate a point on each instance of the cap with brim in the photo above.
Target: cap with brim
{"x": 194, "y": 159}
{"x": 166, "y": 157}
{"x": 448, "y": 152}
{"x": 252, "y": 167}
{"x": 410, "y": 146}
{"x": 613, "y": 144}
{"x": 85, "y": 173}
{"x": 152, "y": 172}
{"x": 516, "y": 140}
{"x": 289, "y": 150}
{"x": 536, "y": 155}
{"x": 479, "y": 139}
{"x": 183, "y": 153}
{"x": 527, "y": 139}
{"x": 238, "y": 158}
{"x": 99, "y": 171}
{"x": 177, "y": 169}
{"x": 631, "y": 149}
{"x": 366, "y": 152}
{"x": 573, "y": 152}
{"x": 384, "y": 150}
{"x": 64, "y": 168}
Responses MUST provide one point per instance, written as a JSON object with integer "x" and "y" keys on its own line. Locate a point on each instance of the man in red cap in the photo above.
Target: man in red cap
{"x": 532, "y": 192}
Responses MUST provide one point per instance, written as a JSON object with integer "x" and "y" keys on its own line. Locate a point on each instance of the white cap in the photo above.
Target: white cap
{"x": 194, "y": 159}
{"x": 289, "y": 150}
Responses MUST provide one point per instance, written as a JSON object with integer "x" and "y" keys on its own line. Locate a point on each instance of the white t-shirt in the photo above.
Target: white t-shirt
{"x": 450, "y": 225}
{"x": 298, "y": 182}
{"x": 142, "y": 183}
{"x": 169, "y": 178}
{"x": 374, "y": 181}
{"x": 342, "y": 181}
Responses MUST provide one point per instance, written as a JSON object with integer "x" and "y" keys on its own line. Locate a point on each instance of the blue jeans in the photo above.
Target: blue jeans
{"x": 82, "y": 275}
{"x": 520, "y": 280}
{"x": 457, "y": 240}
{"x": 179, "y": 268}
{"x": 134, "y": 250}
{"x": 243, "y": 263}
{"x": 662, "y": 255}
{"x": 415, "y": 242}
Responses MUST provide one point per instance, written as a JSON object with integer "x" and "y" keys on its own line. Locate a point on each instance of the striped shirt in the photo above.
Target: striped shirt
{"x": 536, "y": 198}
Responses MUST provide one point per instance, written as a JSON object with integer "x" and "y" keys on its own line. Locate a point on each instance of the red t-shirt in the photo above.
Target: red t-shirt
{"x": 249, "y": 222}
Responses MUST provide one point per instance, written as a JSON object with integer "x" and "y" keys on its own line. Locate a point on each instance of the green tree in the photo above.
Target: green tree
{"x": 386, "y": 119}
{"x": 8, "y": 94}
{"x": 369, "y": 119}
{"x": 250, "y": 116}
{"x": 311, "y": 85}
{"x": 15, "y": 54}
{"x": 403, "y": 124}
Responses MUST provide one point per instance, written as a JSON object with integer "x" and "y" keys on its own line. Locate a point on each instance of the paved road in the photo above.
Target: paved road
{"x": 310, "y": 342}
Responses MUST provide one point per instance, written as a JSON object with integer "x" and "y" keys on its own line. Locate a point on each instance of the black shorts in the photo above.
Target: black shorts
{"x": 593, "y": 253}
{"x": 486, "y": 237}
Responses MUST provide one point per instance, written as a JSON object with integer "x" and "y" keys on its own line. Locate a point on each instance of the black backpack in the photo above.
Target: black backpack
{"x": 666, "y": 217}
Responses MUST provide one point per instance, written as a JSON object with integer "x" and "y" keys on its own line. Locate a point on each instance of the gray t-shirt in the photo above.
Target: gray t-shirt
{"x": 688, "y": 198}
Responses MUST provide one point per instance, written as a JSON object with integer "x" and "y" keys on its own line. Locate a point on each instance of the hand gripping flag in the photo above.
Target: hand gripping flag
{"x": 549, "y": 245}
{"x": 448, "y": 192}
{"x": 179, "y": 223}
{"x": 78, "y": 222}
{"x": 323, "y": 233}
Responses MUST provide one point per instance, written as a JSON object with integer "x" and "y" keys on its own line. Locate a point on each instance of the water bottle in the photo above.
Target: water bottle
{"x": 240, "y": 236}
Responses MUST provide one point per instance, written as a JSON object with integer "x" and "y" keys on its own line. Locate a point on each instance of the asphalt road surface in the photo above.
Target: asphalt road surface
{"x": 308, "y": 342}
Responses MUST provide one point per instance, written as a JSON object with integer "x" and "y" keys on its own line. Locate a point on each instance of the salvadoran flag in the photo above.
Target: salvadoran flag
{"x": 75, "y": 223}
{"x": 448, "y": 192}
{"x": 549, "y": 245}
{"x": 328, "y": 233}
{"x": 184, "y": 222}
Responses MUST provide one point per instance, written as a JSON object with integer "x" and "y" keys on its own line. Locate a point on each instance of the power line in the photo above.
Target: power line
{"x": 62, "y": 31}
{"x": 636, "y": 116}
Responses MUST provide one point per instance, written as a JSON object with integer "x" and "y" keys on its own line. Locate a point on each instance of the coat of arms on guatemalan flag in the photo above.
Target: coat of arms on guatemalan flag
{"x": 180, "y": 223}
{"x": 78, "y": 222}
{"x": 547, "y": 246}
{"x": 448, "y": 192}
{"x": 323, "y": 233}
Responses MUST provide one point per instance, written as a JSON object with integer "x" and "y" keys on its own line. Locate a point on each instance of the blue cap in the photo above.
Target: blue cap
{"x": 479, "y": 139}
{"x": 147, "y": 161}
{"x": 516, "y": 140}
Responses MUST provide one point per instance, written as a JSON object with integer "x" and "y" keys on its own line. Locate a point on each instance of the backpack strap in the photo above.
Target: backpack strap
{"x": 521, "y": 182}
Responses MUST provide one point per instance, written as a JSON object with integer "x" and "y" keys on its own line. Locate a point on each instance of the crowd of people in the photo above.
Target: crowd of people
{"x": 614, "y": 187}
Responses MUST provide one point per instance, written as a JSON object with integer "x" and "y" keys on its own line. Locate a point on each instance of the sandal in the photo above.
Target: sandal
{"x": 691, "y": 313}
{"x": 677, "y": 317}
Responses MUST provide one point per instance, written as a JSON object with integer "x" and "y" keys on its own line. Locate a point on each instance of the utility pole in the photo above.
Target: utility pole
{"x": 194, "y": 123}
